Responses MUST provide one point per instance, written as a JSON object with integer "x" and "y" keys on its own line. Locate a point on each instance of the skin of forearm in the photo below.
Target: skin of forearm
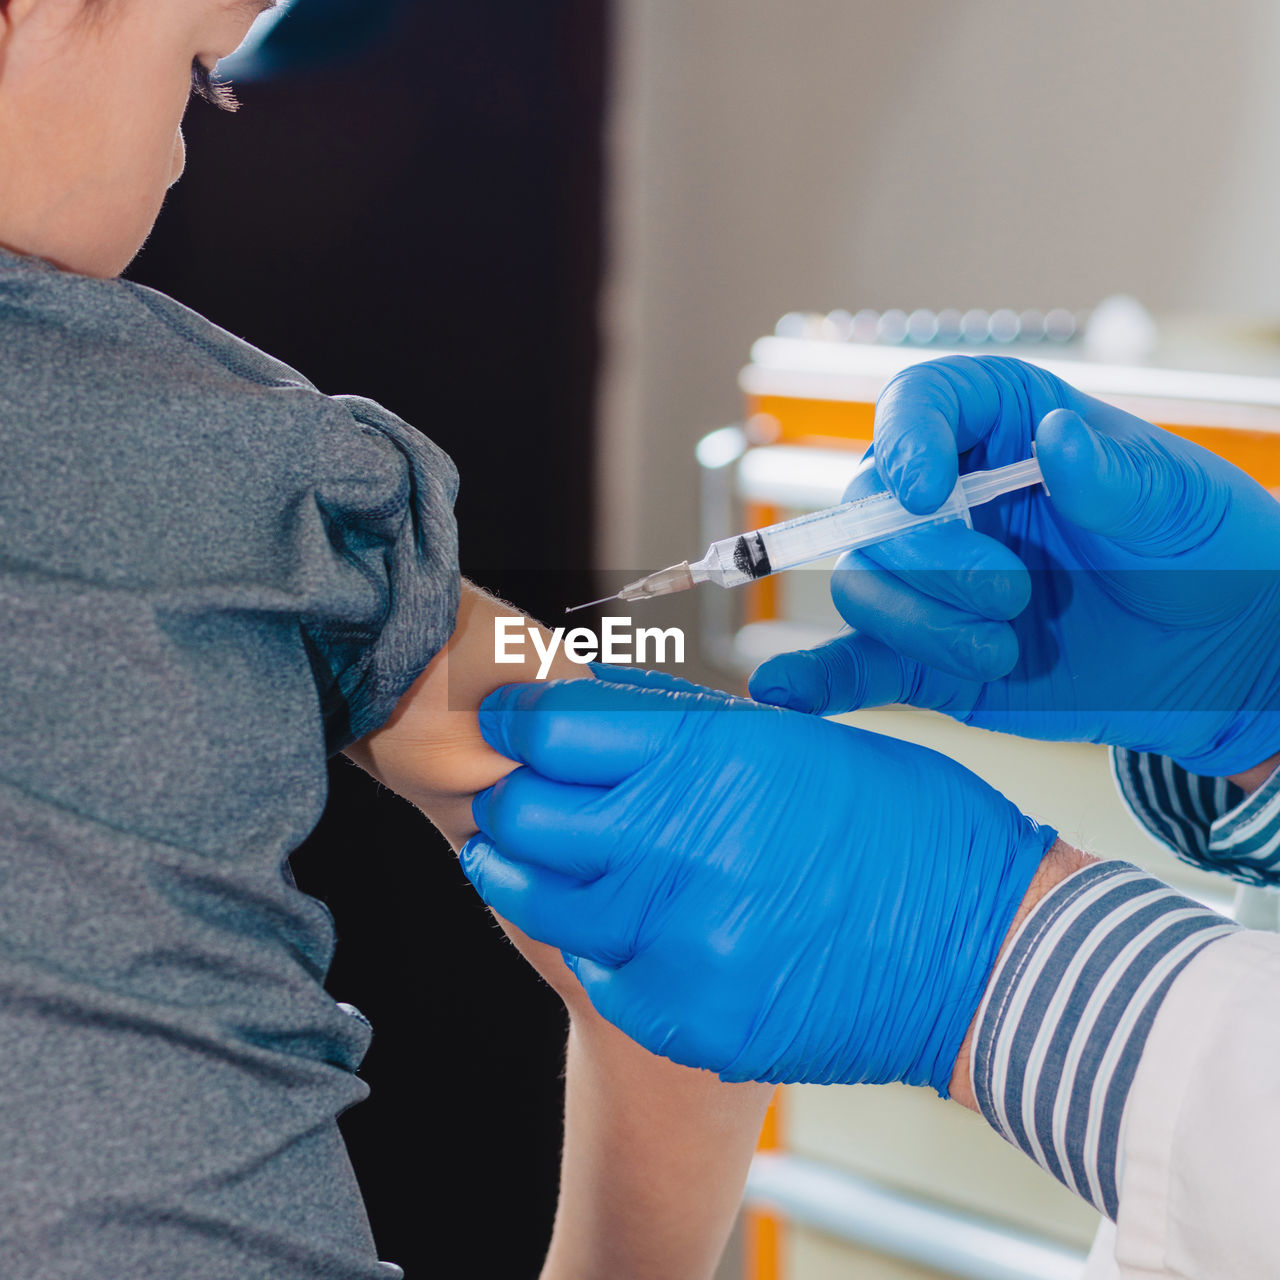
{"x": 1060, "y": 862}
{"x": 655, "y": 1154}
{"x": 638, "y": 1204}
{"x": 1253, "y": 778}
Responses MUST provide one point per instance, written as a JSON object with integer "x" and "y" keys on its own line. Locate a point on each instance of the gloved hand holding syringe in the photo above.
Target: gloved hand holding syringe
{"x": 747, "y": 557}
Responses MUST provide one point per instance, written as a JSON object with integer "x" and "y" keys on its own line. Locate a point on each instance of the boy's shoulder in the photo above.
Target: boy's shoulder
{"x": 115, "y": 398}
{"x": 86, "y": 328}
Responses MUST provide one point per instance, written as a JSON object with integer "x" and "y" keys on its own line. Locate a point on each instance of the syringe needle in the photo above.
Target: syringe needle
{"x": 589, "y": 603}
{"x": 675, "y": 577}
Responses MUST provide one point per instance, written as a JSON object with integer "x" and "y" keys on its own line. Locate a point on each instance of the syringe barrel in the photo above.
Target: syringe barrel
{"x": 851, "y": 525}
{"x": 731, "y": 562}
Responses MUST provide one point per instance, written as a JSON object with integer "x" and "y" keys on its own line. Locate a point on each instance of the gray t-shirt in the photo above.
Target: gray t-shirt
{"x": 211, "y": 575}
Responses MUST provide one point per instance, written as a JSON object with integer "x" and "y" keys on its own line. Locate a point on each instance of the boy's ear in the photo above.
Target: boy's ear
{"x": 13, "y": 13}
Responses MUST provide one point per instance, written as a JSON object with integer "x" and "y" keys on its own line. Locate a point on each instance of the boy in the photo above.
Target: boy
{"x": 211, "y": 573}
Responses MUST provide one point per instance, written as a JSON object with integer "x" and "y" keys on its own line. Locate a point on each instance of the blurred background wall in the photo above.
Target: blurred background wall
{"x": 812, "y": 154}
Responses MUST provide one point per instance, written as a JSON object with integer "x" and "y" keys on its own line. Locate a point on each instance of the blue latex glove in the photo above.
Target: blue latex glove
{"x": 764, "y": 894}
{"x": 1138, "y": 605}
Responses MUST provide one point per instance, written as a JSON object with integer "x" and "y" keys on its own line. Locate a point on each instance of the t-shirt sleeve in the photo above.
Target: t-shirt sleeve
{"x": 213, "y": 570}
{"x": 386, "y": 503}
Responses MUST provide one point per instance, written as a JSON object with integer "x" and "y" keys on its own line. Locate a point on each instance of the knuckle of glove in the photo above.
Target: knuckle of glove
{"x": 841, "y": 676}
{"x": 502, "y": 809}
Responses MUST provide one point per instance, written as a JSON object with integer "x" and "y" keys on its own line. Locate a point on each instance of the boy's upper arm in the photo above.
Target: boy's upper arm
{"x": 431, "y": 751}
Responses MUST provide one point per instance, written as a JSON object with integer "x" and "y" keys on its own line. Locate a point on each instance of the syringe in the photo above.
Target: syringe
{"x": 735, "y": 561}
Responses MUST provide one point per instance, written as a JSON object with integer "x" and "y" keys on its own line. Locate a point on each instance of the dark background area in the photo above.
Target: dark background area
{"x": 409, "y": 208}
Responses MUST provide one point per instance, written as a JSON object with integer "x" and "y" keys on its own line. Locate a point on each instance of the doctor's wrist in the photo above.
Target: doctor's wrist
{"x": 1060, "y": 862}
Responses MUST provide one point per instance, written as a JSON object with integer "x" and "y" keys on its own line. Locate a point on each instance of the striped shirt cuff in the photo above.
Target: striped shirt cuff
{"x": 1208, "y": 822}
{"x": 1067, "y": 1012}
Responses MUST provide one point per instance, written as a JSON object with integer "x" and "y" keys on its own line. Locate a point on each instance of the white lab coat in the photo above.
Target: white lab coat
{"x": 1200, "y": 1178}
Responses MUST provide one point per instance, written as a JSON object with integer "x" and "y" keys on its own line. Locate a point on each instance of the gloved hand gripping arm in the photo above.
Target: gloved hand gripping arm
{"x": 765, "y": 894}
